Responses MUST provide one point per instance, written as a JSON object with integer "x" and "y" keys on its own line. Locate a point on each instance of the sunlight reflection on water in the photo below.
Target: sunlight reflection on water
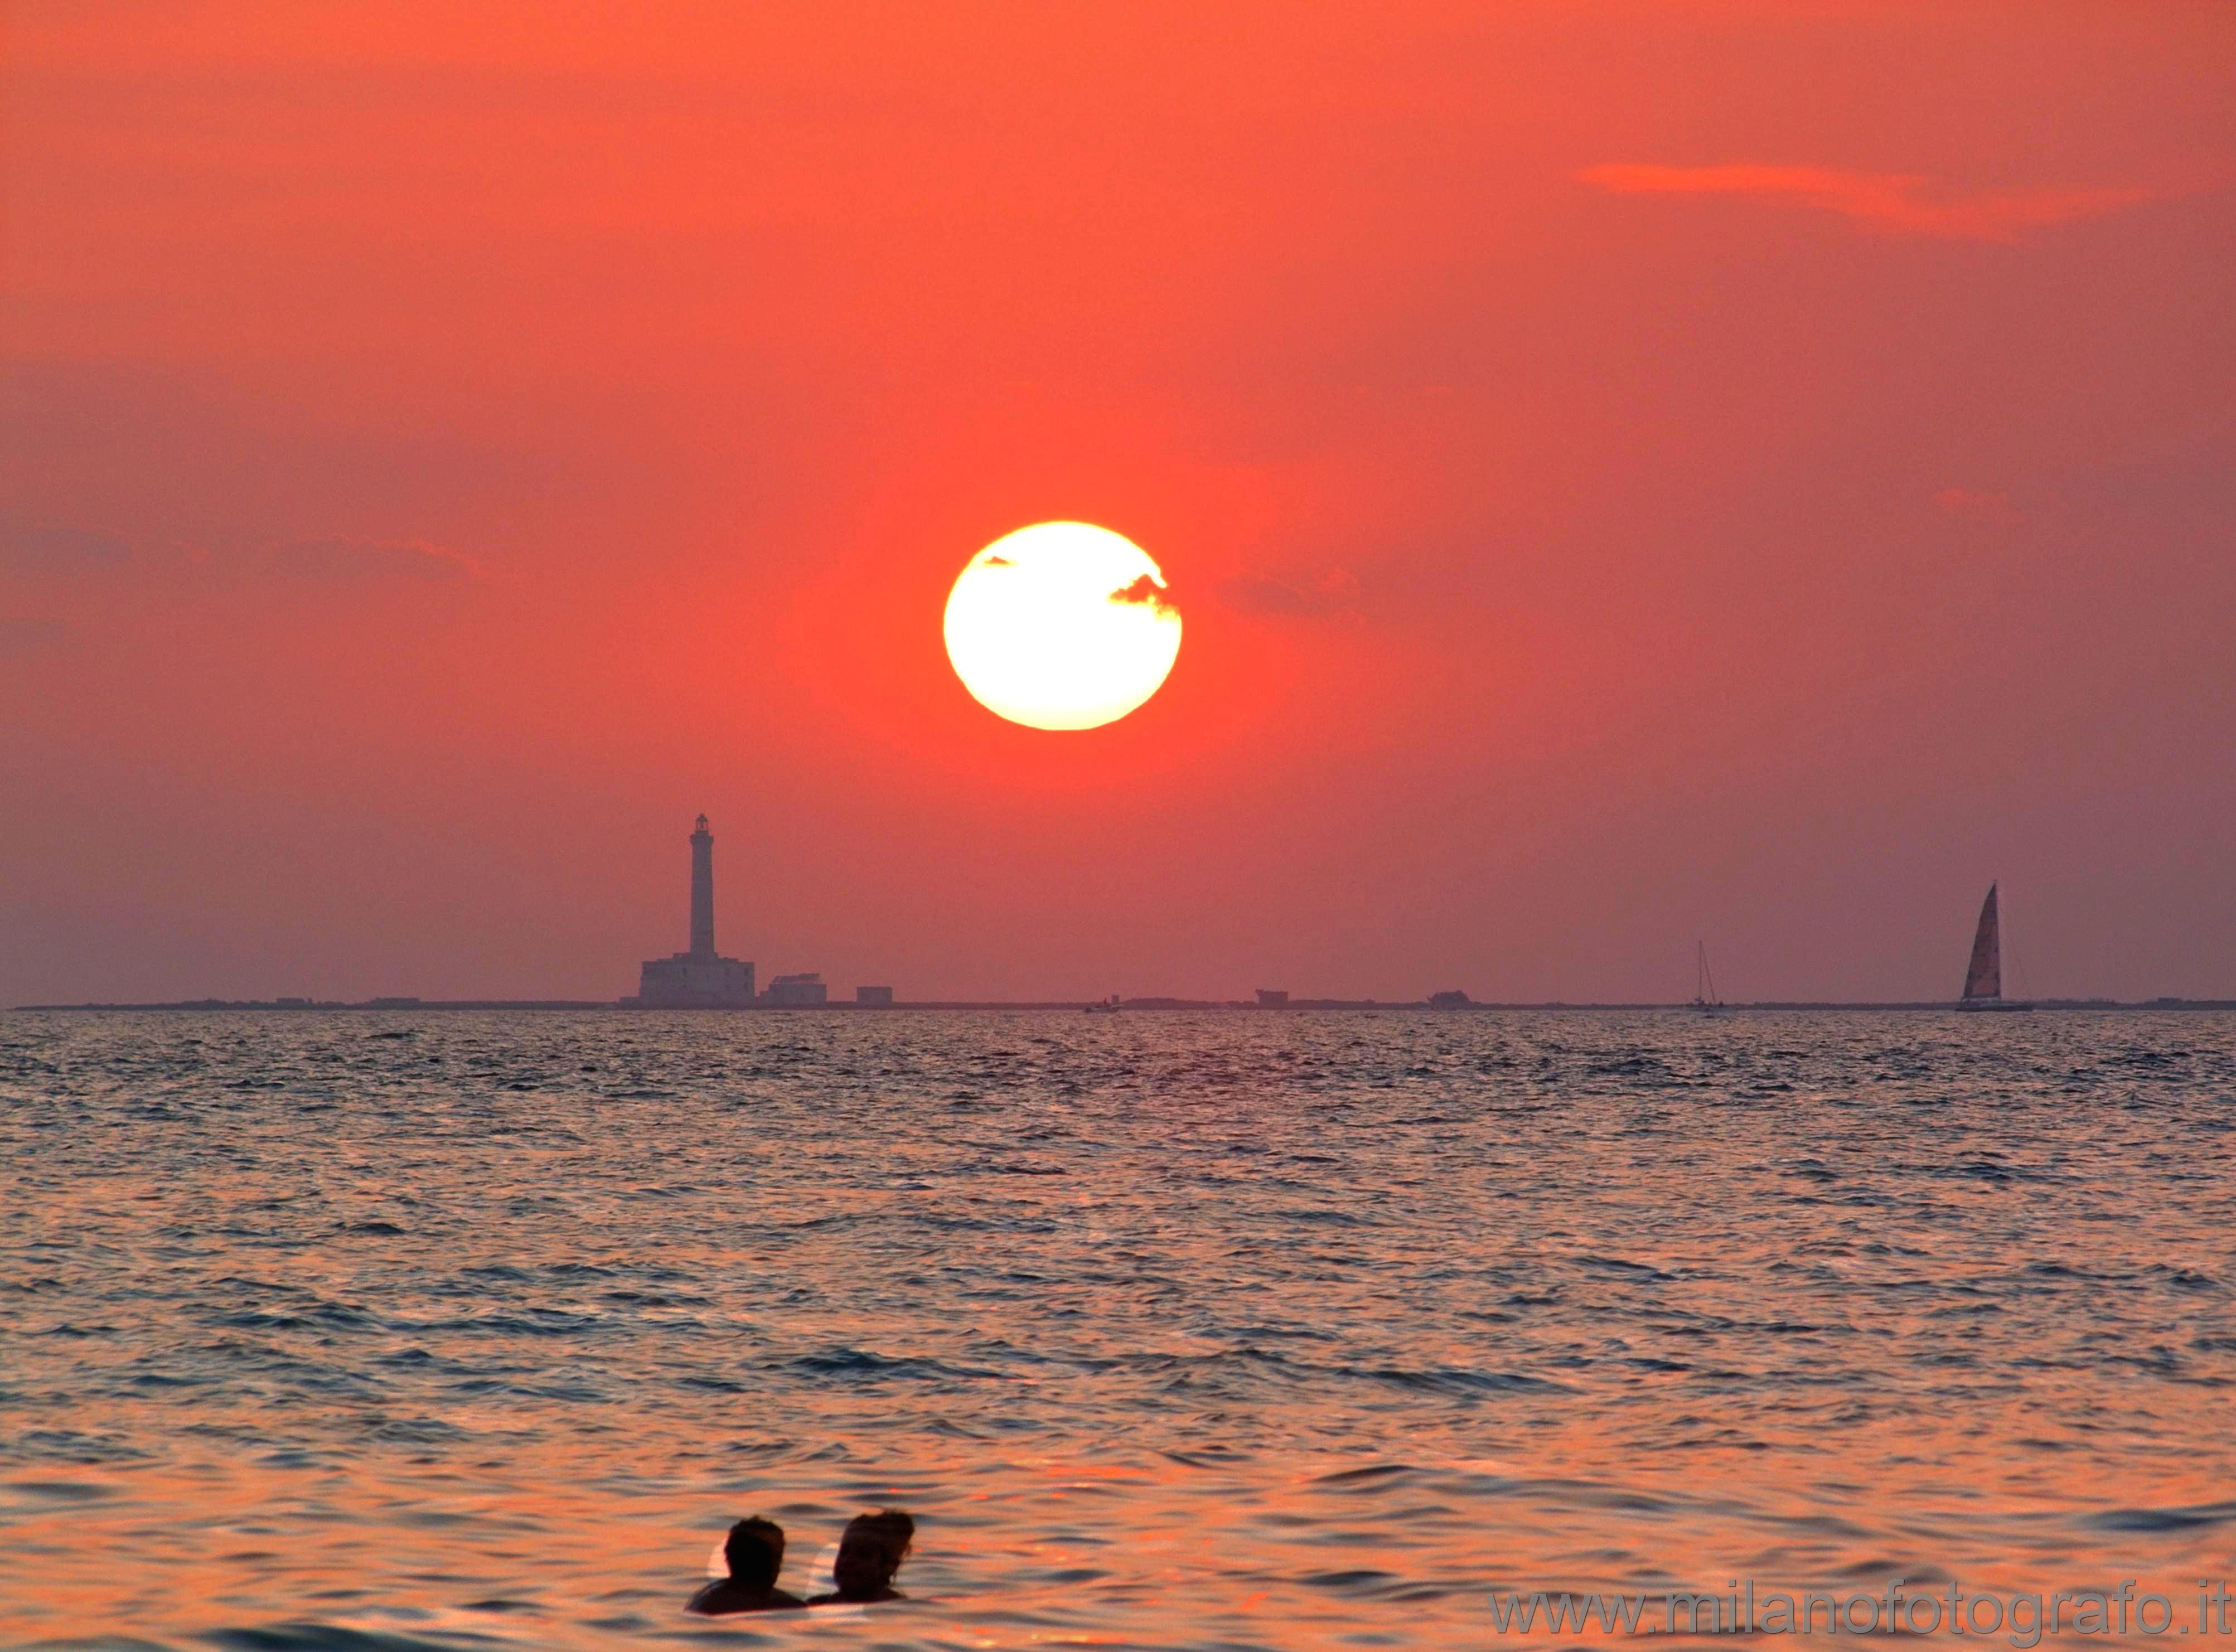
{"x": 1172, "y": 1330}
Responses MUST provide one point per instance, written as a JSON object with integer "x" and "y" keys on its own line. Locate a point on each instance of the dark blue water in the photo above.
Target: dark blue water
{"x": 1242, "y": 1330}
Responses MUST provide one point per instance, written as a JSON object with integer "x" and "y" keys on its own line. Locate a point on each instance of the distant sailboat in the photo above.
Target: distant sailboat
{"x": 1703, "y": 984}
{"x": 1983, "y": 982}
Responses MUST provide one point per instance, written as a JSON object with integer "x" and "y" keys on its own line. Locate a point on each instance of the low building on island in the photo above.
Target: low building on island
{"x": 793, "y": 990}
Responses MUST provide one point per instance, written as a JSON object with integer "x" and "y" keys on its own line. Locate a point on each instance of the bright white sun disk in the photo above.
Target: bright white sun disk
{"x": 1062, "y": 625}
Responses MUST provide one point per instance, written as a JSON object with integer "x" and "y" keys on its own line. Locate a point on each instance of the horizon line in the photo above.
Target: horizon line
{"x": 1150, "y": 1004}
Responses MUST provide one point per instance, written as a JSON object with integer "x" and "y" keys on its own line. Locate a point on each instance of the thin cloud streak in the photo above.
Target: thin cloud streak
{"x": 59, "y": 548}
{"x": 343, "y": 557}
{"x": 1334, "y": 592}
{"x": 22, "y": 634}
{"x": 1891, "y": 203}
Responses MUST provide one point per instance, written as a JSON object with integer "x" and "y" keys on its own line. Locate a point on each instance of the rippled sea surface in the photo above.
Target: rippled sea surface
{"x": 1242, "y": 1330}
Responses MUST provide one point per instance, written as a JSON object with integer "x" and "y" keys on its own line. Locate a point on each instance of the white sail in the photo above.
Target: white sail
{"x": 1985, "y": 978}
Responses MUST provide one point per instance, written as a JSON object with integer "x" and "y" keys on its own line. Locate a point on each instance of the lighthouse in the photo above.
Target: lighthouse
{"x": 700, "y": 978}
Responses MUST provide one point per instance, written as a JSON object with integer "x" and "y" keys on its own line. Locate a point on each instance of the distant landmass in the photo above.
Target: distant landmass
{"x": 848, "y": 1007}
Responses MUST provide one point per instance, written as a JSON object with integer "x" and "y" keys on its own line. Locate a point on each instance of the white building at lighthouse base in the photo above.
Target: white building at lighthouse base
{"x": 685, "y": 981}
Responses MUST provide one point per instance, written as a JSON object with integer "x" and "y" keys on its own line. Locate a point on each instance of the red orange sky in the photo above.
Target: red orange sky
{"x": 1633, "y": 474}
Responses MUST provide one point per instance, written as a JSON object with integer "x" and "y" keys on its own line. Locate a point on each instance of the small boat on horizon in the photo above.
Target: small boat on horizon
{"x": 1107, "y": 1007}
{"x": 1984, "y": 981}
{"x": 1704, "y": 984}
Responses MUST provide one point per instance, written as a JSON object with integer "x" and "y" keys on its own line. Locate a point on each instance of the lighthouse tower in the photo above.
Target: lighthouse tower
{"x": 702, "y": 891}
{"x": 700, "y": 978}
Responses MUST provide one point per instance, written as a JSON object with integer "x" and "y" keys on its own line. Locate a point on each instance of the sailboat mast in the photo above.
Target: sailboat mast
{"x": 1704, "y": 979}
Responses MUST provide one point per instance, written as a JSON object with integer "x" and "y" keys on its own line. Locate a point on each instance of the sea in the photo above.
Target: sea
{"x": 385, "y": 1331}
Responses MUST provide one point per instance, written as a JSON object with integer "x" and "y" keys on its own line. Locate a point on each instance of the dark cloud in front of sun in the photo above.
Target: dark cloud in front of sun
{"x": 1147, "y": 592}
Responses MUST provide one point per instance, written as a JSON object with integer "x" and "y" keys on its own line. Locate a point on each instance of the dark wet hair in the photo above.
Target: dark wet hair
{"x": 755, "y": 1551}
{"x": 891, "y": 1530}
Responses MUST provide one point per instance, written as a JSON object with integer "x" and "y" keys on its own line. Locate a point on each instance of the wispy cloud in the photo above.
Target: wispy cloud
{"x": 340, "y": 557}
{"x": 1890, "y": 203}
{"x": 1333, "y": 591}
{"x": 59, "y": 548}
{"x": 49, "y": 548}
{"x": 23, "y": 634}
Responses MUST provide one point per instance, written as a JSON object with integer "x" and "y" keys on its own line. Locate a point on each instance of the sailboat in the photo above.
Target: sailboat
{"x": 1983, "y": 982}
{"x": 1703, "y": 984}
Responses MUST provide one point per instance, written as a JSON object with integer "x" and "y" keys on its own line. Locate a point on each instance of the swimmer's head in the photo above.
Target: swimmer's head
{"x": 871, "y": 1552}
{"x": 755, "y": 1551}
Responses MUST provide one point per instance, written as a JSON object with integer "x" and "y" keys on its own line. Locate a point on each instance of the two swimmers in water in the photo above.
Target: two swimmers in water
{"x": 869, "y": 1553}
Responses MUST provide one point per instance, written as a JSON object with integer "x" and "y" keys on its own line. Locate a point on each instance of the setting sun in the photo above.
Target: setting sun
{"x": 1062, "y": 625}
